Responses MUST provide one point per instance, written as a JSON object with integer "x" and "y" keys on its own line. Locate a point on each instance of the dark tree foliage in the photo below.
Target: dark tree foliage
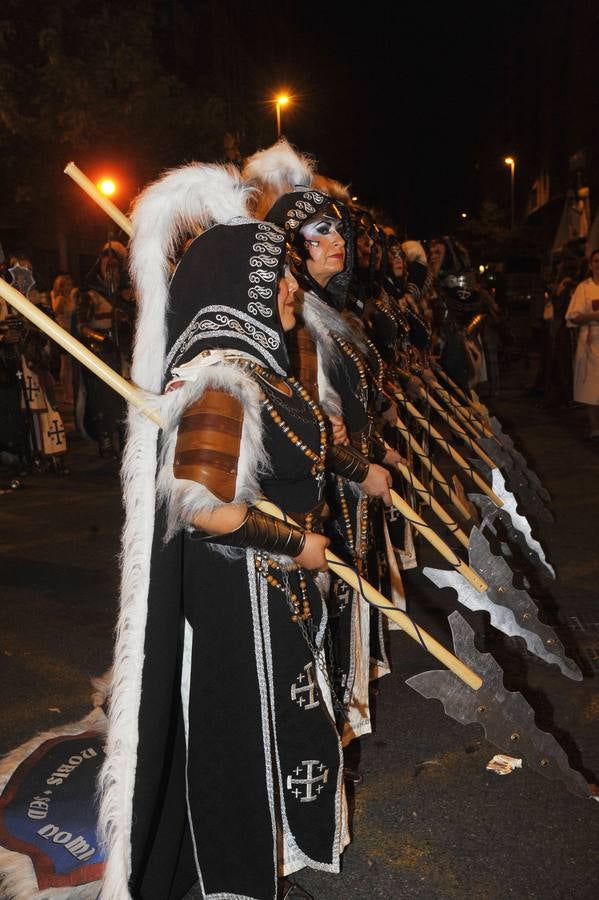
{"x": 92, "y": 82}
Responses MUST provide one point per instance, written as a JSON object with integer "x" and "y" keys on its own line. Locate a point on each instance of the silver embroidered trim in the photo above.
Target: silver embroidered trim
{"x": 253, "y": 331}
{"x": 262, "y": 277}
{"x": 260, "y": 650}
{"x": 185, "y": 692}
{"x": 299, "y": 858}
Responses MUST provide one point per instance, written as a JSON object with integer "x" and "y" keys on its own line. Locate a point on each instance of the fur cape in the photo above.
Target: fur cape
{"x": 185, "y": 200}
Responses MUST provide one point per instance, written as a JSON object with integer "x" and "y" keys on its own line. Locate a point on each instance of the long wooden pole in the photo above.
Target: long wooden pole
{"x": 438, "y": 543}
{"x": 455, "y": 426}
{"x": 92, "y": 191}
{"x": 426, "y": 496}
{"x": 81, "y": 353}
{"x": 451, "y": 451}
{"x": 476, "y": 427}
{"x": 419, "y": 450}
{"x": 352, "y": 578}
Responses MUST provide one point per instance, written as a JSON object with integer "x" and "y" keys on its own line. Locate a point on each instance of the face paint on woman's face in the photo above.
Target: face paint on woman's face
{"x": 396, "y": 261}
{"x": 326, "y": 248}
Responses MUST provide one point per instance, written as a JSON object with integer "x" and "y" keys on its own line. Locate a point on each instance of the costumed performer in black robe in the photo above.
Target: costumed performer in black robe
{"x": 223, "y": 762}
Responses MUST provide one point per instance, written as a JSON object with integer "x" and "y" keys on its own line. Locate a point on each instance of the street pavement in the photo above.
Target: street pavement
{"x": 428, "y": 821}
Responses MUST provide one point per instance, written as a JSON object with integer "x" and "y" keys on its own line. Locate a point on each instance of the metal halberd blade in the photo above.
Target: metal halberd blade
{"x": 518, "y": 481}
{"x": 519, "y": 460}
{"x": 511, "y": 610}
{"x": 490, "y": 515}
{"x": 520, "y": 522}
{"x": 507, "y": 719}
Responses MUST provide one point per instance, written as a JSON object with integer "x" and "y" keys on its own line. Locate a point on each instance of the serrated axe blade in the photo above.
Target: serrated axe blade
{"x": 506, "y": 717}
{"x": 511, "y": 610}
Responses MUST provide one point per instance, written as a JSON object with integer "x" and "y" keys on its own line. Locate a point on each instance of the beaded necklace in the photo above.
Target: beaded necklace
{"x": 316, "y": 458}
{"x": 379, "y": 376}
{"x": 359, "y": 364}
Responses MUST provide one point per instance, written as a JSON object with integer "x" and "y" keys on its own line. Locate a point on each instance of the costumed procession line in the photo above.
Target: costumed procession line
{"x": 543, "y": 644}
{"x": 136, "y": 397}
{"x": 472, "y": 577}
{"x": 503, "y": 618}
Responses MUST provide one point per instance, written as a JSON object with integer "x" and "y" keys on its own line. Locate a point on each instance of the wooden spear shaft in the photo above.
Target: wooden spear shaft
{"x": 476, "y": 428}
{"x": 69, "y": 343}
{"x": 431, "y": 467}
{"x": 427, "y": 641}
{"x": 434, "y": 504}
{"x": 455, "y": 426}
{"x": 451, "y": 451}
{"x": 438, "y": 543}
{"x": 92, "y": 191}
{"x": 458, "y": 390}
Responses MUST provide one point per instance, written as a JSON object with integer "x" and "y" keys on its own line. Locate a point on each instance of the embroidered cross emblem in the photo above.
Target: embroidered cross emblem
{"x": 392, "y": 514}
{"x": 307, "y": 788}
{"x": 32, "y": 387}
{"x": 56, "y": 434}
{"x": 343, "y": 594}
{"x": 305, "y": 694}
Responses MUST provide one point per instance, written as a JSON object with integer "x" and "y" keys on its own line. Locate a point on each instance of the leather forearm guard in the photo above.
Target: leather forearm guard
{"x": 262, "y": 532}
{"x": 347, "y": 462}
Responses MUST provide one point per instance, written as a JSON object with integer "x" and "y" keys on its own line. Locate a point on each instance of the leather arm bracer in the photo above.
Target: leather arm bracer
{"x": 208, "y": 443}
{"x": 347, "y": 462}
{"x": 262, "y": 532}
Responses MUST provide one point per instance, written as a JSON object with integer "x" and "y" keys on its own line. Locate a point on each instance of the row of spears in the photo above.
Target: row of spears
{"x": 471, "y": 686}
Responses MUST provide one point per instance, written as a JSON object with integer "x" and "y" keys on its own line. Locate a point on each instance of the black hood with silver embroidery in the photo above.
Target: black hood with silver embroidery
{"x": 223, "y": 295}
{"x": 294, "y": 210}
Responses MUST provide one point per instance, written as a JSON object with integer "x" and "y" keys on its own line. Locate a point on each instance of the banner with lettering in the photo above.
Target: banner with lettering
{"x": 48, "y": 842}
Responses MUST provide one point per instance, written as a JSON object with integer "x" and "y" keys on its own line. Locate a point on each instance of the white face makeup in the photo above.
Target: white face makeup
{"x": 325, "y": 246}
{"x": 396, "y": 261}
{"x": 319, "y": 227}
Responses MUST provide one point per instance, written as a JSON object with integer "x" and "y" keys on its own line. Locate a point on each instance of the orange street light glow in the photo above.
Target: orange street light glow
{"x": 509, "y": 161}
{"x": 283, "y": 100}
{"x": 107, "y": 187}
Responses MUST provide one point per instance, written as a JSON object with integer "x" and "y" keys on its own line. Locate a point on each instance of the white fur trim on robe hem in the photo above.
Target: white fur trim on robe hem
{"x": 184, "y": 499}
{"x": 18, "y": 880}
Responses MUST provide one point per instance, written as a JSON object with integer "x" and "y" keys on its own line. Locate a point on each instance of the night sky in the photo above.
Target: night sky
{"x": 408, "y": 103}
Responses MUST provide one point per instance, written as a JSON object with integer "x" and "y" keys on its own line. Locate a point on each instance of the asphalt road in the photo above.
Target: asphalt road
{"x": 428, "y": 821}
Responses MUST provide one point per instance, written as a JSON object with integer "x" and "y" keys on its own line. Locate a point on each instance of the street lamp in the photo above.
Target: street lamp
{"x": 281, "y": 100}
{"x": 511, "y": 162}
{"x": 107, "y": 187}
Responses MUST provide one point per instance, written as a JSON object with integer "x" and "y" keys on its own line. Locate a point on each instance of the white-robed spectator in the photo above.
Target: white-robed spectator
{"x": 583, "y": 312}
